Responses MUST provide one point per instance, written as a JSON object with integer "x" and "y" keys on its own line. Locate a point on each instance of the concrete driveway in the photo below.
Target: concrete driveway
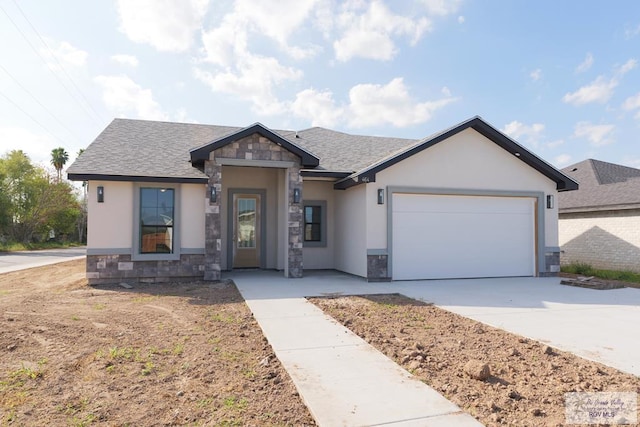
{"x": 14, "y": 261}
{"x": 597, "y": 325}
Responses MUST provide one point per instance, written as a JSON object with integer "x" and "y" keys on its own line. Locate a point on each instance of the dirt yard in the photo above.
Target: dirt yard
{"x": 174, "y": 354}
{"x": 527, "y": 379}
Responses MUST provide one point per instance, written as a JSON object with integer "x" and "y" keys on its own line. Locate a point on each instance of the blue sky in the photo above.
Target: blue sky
{"x": 560, "y": 77}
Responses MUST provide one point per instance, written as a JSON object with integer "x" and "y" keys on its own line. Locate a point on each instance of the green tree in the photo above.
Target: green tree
{"x": 34, "y": 204}
{"x": 59, "y": 158}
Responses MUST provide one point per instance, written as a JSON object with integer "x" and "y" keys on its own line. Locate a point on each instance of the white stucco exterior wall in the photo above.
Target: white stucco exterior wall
{"x": 467, "y": 160}
{"x": 192, "y": 209}
{"x": 110, "y": 224}
{"x": 351, "y": 230}
{"x": 321, "y": 257}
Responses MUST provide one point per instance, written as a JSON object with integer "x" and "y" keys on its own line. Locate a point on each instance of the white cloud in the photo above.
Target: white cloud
{"x": 183, "y": 117}
{"x": 597, "y": 135}
{"x": 253, "y": 79}
{"x": 586, "y": 64}
{"x": 599, "y": 90}
{"x": 460, "y": 19}
{"x": 530, "y": 134}
{"x": 65, "y": 53}
{"x": 240, "y": 72}
{"x": 554, "y": 144}
{"x": 632, "y": 32}
{"x": 374, "y": 105}
{"x": 167, "y": 26}
{"x": 633, "y": 162}
{"x": 445, "y": 91}
{"x": 369, "y": 105}
{"x": 129, "y": 60}
{"x": 442, "y": 7}
{"x": 370, "y": 34}
{"x": 626, "y": 67}
{"x": 562, "y": 160}
{"x": 536, "y": 74}
{"x": 278, "y": 19}
{"x": 318, "y": 107}
{"x": 633, "y": 103}
{"x": 123, "y": 96}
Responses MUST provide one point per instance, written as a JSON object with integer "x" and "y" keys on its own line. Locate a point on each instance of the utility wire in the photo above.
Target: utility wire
{"x": 57, "y": 60}
{"x": 32, "y": 118}
{"x": 49, "y": 66}
{"x": 40, "y": 103}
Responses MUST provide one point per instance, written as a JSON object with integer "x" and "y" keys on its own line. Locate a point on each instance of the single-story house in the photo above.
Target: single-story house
{"x": 176, "y": 200}
{"x": 600, "y": 223}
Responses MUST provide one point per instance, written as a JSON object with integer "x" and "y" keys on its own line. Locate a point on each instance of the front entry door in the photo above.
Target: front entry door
{"x": 246, "y": 230}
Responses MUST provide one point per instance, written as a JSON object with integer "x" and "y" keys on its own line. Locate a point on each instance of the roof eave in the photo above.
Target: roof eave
{"x": 563, "y": 182}
{"x": 603, "y": 208}
{"x": 136, "y": 178}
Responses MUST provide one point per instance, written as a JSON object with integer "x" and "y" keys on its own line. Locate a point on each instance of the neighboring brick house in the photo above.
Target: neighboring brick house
{"x": 600, "y": 223}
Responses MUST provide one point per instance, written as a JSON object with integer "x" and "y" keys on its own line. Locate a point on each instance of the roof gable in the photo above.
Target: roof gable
{"x": 200, "y": 154}
{"x": 368, "y": 174}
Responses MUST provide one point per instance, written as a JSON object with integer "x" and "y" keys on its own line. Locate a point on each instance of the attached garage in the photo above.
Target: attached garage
{"x": 439, "y": 236}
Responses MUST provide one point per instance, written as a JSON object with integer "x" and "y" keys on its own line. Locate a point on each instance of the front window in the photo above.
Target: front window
{"x": 156, "y": 220}
{"x": 312, "y": 223}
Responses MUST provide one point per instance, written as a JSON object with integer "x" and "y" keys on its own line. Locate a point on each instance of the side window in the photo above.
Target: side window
{"x": 315, "y": 223}
{"x": 157, "y": 212}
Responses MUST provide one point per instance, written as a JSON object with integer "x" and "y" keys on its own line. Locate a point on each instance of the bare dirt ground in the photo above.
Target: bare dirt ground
{"x": 170, "y": 354}
{"x": 527, "y": 379}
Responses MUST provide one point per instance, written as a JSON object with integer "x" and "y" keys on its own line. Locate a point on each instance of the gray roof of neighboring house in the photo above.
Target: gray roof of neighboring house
{"x": 163, "y": 151}
{"x": 603, "y": 186}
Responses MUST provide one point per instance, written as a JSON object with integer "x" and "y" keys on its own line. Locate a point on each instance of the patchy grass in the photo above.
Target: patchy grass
{"x": 587, "y": 270}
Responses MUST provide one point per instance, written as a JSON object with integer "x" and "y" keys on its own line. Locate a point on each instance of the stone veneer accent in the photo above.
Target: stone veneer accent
{"x": 377, "y": 268}
{"x": 120, "y": 268}
{"x": 295, "y": 222}
{"x": 253, "y": 147}
{"x": 552, "y": 263}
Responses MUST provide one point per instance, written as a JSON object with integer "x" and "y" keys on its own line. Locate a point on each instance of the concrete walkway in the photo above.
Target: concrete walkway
{"x": 346, "y": 382}
{"x": 342, "y": 379}
{"x": 596, "y": 325}
{"x": 14, "y": 261}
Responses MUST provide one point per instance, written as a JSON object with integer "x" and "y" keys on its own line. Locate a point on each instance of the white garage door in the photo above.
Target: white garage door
{"x": 439, "y": 237}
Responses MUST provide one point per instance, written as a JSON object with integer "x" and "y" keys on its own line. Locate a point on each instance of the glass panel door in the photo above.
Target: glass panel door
{"x": 246, "y": 223}
{"x": 246, "y": 230}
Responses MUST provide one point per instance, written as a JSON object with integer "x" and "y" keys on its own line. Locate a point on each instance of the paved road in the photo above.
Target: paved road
{"x": 14, "y": 261}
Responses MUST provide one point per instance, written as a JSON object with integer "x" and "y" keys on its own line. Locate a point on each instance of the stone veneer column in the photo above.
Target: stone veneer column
{"x": 295, "y": 224}
{"x": 213, "y": 222}
{"x": 551, "y": 263}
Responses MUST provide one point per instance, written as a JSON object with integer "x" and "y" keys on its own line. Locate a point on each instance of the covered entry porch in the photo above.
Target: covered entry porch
{"x": 253, "y": 211}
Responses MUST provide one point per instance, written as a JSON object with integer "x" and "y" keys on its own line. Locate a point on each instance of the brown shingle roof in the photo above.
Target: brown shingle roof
{"x": 603, "y": 186}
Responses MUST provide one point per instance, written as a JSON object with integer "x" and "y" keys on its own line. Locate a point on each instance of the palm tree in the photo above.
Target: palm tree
{"x": 59, "y": 158}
